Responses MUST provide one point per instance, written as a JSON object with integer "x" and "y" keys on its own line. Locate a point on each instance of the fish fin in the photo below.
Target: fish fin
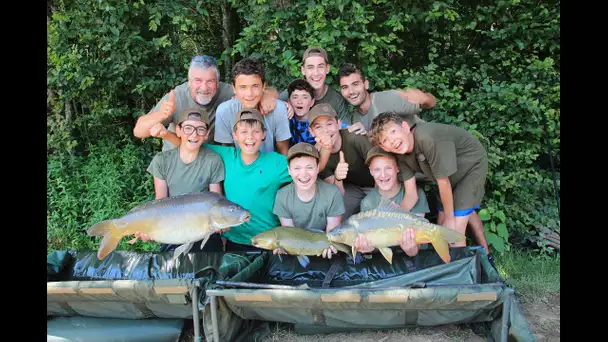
{"x": 185, "y": 248}
{"x": 343, "y": 248}
{"x": 205, "y": 241}
{"x": 315, "y": 230}
{"x": 111, "y": 237}
{"x": 354, "y": 255}
{"x": 451, "y": 235}
{"x": 303, "y": 260}
{"x": 387, "y": 253}
{"x": 280, "y": 257}
{"x": 387, "y": 205}
{"x": 442, "y": 248}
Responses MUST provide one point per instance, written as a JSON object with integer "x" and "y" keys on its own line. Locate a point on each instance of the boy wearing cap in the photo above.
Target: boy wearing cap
{"x": 188, "y": 168}
{"x": 308, "y": 202}
{"x": 447, "y": 154}
{"x": 354, "y": 88}
{"x": 248, "y": 82}
{"x": 342, "y": 157}
{"x": 383, "y": 167}
{"x": 315, "y": 67}
{"x": 252, "y": 178}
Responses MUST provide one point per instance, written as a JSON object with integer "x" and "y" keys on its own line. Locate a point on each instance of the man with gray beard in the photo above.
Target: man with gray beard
{"x": 202, "y": 90}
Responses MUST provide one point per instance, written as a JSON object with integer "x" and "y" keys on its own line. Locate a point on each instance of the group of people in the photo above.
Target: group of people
{"x": 301, "y": 157}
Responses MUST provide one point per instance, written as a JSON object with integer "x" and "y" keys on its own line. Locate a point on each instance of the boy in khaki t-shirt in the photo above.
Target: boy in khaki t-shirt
{"x": 446, "y": 154}
{"x": 308, "y": 202}
{"x": 189, "y": 168}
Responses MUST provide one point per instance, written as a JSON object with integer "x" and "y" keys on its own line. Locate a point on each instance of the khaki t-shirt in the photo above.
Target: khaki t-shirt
{"x": 335, "y": 99}
{"x": 327, "y": 202}
{"x": 182, "y": 178}
{"x": 385, "y": 101}
{"x": 441, "y": 151}
{"x": 355, "y": 149}
{"x": 372, "y": 200}
{"x": 184, "y": 100}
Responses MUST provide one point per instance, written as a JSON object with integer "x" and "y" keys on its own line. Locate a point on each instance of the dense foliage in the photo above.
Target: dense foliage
{"x": 494, "y": 67}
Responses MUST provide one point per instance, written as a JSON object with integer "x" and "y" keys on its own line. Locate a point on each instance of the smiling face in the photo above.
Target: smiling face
{"x": 354, "y": 89}
{"x": 249, "y": 134}
{"x": 203, "y": 84}
{"x": 304, "y": 170}
{"x": 315, "y": 69}
{"x": 301, "y": 101}
{"x": 249, "y": 90}
{"x": 384, "y": 170}
{"x": 396, "y": 138}
{"x": 192, "y": 133}
{"x": 324, "y": 125}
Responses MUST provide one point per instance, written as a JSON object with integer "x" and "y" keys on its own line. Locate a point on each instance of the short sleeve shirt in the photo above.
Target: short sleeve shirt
{"x": 327, "y": 202}
{"x": 385, "y": 101}
{"x": 355, "y": 148}
{"x": 183, "y": 178}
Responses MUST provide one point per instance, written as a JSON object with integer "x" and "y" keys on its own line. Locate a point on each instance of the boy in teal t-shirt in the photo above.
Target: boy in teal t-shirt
{"x": 252, "y": 178}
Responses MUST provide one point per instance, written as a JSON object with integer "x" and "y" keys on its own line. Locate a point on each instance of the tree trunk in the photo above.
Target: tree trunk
{"x": 228, "y": 29}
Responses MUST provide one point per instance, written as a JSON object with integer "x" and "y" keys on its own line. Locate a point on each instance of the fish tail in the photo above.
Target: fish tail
{"x": 451, "y": 235}
{"x": 111, "y": 237}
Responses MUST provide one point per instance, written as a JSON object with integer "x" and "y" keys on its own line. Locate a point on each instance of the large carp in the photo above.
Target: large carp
{"x": 384, "y": 227}
{"x": 182, "y": 220}
{"x": 300, "y": 242}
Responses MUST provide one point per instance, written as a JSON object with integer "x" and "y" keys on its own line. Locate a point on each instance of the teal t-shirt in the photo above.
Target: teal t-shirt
{"x": 254, "y": 187}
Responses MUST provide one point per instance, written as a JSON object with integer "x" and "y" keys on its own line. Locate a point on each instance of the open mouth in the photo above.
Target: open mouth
{"x": 246, "y": 217}
{"x": 353, "y": 97}
{"x": 384, "y": 182}
{"x": 398, "y": 145}
{"x": 304, "y": 181}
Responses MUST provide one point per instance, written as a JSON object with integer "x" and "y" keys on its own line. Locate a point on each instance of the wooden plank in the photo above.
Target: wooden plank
{"x": 252, "y": 297}
{"x": 171, "y": 289}
{"x": 96, "y": 290}
{"x": 60, "y": 290}
{"x": 472, "y": 297}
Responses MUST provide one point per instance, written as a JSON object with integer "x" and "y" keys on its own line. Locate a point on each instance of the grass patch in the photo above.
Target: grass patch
{"x": 530, "y": 274}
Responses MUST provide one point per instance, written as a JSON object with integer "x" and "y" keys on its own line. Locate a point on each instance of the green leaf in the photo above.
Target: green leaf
{"x": 496, "y": 242}
{"x": 484, "y": 215}
{"x": 502, "y": 231}
{"x": 500, "y": 215}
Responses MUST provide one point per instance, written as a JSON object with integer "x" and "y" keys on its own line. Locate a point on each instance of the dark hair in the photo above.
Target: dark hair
{"x": 301, "y": 84}
{"x": 347, "y": 69}
{"x": 383, "y": 119}
{"x": 249, "y": 66}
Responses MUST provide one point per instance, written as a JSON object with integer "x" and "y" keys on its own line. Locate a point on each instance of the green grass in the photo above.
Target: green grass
{"x": 530, "y": 274}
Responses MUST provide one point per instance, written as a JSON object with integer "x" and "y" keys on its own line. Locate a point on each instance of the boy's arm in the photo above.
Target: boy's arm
{"x": 411, "y": 194}
{"x": 447, "y": 201}
{"x": 282, "y": 147}
{"x": 161, "y": 190}
{"x": 159, "y": 131}
{"x": 417, "y": 96}
{"x": 323, "y": 145}
{"x": 217, "y": 188}
{"x": 338, "y": 183}
{"x": 285, "y": 222}
{"x": 333, "y": 222}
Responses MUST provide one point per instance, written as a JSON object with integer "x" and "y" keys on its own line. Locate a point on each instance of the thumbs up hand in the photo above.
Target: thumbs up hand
{"x": 341, "y": 168}
{"x": 168, "y": 106}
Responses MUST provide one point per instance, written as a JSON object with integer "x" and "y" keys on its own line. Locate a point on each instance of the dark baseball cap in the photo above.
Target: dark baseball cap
{"x": 376, "y": 151}
{"x": 321, "y": 109}
{"x": 315, "y": 51}
{"x": 302, "y": 148}
{"x": 249, "y": 113}
{"x": 194, "y": 114}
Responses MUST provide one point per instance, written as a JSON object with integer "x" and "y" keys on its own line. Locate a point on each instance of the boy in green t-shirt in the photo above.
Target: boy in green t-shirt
{"x": 188, "y": 168}
{"x": 308, "y": 202}
{"x": 252, "y": 178}
{"x": 447, "y": 154}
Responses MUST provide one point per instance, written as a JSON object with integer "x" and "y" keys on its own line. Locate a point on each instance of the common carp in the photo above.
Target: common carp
{"x": 384, "y": 227}
{"x": 182, "y": 219}
{"x": 300, "y": 242}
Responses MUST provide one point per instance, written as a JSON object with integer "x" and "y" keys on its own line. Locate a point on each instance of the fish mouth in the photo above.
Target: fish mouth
{"x": 246, "y": 217}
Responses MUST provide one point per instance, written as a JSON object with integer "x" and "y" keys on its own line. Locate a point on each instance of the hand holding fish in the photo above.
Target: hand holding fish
{"x": 341, "y": 168}
{"x": 329, "y": 251}
{"x": 408, "y": 242}
{"x": 168, "y": 106}
{"x": 363, "y": 245}
{"x": 141, "y": 236}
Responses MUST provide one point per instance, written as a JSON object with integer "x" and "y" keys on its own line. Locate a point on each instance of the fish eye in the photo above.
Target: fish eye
{"x": 232, "y": 208}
